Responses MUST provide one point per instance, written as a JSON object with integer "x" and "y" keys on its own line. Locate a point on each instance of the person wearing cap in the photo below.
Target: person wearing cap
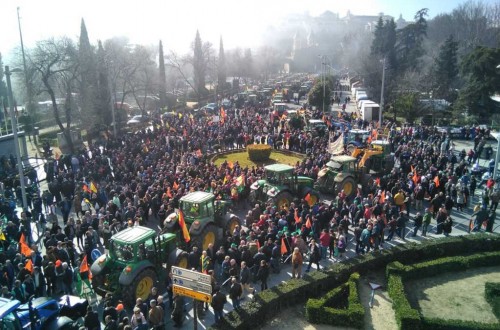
{"x": 138, "y": 318}
{"x": 121, "y": 312}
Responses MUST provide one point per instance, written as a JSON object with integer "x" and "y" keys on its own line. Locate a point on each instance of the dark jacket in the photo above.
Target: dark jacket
{"x": 218, "y": 301}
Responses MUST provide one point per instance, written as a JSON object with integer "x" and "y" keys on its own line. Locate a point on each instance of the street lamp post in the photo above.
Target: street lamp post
{"x": 16, "y": 138}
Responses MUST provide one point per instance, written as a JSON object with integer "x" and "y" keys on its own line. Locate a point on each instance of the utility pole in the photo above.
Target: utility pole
{"x": 26, "y": 80}
{"x": 381, "y": 96}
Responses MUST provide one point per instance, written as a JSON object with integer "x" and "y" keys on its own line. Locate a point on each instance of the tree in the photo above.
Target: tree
{"x": 103, "y": 100}
{"x": 199, "y": 67}
{"x": 88, "y": 84}
{"x": 144, "y": 78}
{"x": 221, "y": 70}
{"x": 4, "y": 102}
{"x": 446, "y": 69}
{"x": 248, "y": 69}
{"x": 56, "y": 65}
{"x": 407, "y": 105}
{"x": 162, "y": 79}
{"x": 320, "y": 94}
{"x": 410, "y": 42}
{"x": 479, "y": 70}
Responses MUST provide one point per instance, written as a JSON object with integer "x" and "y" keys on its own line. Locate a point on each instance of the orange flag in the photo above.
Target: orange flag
{"x": 415, "y": 177}
{"x": 296, "y": 216}
{"x": 230, "y": 164}
{"x": 175, "y": 185}
{"x": 308, "y": 198}
{"x": 25, "y": 249}
{"x": 436, "y": 181}
{"x": 86, "y": 189}
{"x": 284, "y": 250}
{"x": 182, "y": 223}
{"x": 382, "y": 197}
{"x": 169, "y": 193}
{"x": 258, "y": 244}
{"x": 29, "y": 266}
{"x": 84, "y": 267}
{"x": 412, "y": 168}
{"x": 308, "y": 223}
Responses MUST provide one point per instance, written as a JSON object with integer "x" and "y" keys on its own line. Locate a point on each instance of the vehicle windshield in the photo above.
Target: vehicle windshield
{"x": 8, "y": 322}
{"x": 272, "y": 177}
{"x": 191, "y": 209}
{"x": 122, "y": 252}
{"x": 334, "y": 165}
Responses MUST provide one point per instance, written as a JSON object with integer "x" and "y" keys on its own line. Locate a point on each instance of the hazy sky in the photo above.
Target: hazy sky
{"x": 239, "y": 22}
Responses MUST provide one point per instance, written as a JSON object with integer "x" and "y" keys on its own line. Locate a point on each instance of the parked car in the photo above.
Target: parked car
{"x": 138, "y": 120}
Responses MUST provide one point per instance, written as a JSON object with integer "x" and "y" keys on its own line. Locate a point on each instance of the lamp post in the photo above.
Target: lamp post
{"x": 16, "y": 138}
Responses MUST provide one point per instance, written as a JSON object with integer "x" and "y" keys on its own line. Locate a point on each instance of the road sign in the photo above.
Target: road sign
{"x": 191, "y": 293}
{"x": 191, "y": 275}
{"x": 193, "y": 285}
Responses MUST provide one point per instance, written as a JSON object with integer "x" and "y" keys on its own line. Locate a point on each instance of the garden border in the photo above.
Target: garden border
{"x": 266, "y": 304}
{"x": 410, "y": 318}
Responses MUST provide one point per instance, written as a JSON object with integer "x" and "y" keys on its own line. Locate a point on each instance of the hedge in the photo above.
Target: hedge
{"x": 339, "y": 307}
{"x": 259, "y": 152}
{"x": 314, "y": 284}
{"x": 410, "y": 318}
{"x": 492, "y": 295}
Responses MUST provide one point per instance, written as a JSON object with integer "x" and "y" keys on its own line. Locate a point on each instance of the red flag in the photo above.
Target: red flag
{"x": 308, "y": 198}
{"x": 25, "y": 249}
{"x": 182, "y": 223}
{"x": 284, "y": 250}
{"x": 86, "y": 189}
{"x": 436, "y": 181}
{"x": 308, "y": 223}
{"x": 29, "y": 266}
{"x": 296, "y": 216}
{"x": 84, "y": 267}
{"x": 377, "y": 181}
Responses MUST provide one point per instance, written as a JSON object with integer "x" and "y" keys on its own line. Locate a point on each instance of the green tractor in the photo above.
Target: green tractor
{"x": 208, "y": 219}
{"x": 136, "y": 260}
{"x": 280, "y": 186}
{"x": 342, "y": 173}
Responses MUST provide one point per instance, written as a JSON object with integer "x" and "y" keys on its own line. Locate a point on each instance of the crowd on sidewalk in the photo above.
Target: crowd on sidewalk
{"x": 140, "y": 178}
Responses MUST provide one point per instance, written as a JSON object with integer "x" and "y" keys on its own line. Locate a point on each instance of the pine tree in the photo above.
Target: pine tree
{"x": 199, "y": 67}
{"x": 446, "y": 69}
{"x": 3, "y": 91}
{"x": 90, "y": 114}
{"x": 163, "y": 78}
{"x": 103, "y": 101}
{"x": 221, "y": 70}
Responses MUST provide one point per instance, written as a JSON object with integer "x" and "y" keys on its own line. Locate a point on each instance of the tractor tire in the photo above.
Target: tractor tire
{"x": 178, "y": 258}
{"x": 283, "y": 199}
{"x": 140, "y": 287}
{"x": 207, "y": 236}
{"x": 98, "y": 284}
{"x": 349, "y": 186}
{"x": 231, "y": 224}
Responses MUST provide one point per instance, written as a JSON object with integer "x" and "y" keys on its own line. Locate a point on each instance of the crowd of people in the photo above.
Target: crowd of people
{"x": 138, "y": 179}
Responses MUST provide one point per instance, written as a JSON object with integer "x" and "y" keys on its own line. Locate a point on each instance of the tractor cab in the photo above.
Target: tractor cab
{"x": 129, "y": 245}
{"x": 197, "y": 205}
{"x": 358, "y": 137}
{"x": 341, "y": 173}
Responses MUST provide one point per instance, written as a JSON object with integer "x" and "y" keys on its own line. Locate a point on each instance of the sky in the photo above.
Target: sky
{"x": 239, "y": 22}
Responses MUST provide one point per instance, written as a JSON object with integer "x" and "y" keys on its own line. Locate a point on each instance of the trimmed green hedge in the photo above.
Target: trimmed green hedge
{"x": 315, "y": 284}
{"x": 259, "y": 152}
{"x": 410, "y": 318}
{"x": 492, "y": 295}
{"x": 339, "y": 307}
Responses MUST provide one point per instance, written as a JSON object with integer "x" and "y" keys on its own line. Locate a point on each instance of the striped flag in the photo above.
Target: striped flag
{"x": 182, "y": 223}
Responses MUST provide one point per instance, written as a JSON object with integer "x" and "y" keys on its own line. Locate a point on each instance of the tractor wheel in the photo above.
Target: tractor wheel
{"x": 231, "y": 224}
{"x": 140, "y": 287}
{"x": 207, "y": 236}
{"x": 98, "y": 284}
{"x": 349, "y": 187}
{"x": 181, "y": 260}
{"x": 284, "y": 199}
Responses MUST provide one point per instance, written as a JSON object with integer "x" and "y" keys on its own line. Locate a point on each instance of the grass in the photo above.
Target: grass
{"x": 243, "y": 160}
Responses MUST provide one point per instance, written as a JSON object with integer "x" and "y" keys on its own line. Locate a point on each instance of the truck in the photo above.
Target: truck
{"x": 137, "y": 259}
{"x": 370, "y": 111}
{"x": 281, "y": 185}
{"x": 208, "y": 220}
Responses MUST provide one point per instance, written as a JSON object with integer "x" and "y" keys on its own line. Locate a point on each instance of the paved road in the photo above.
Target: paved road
{"x": 461, "y": 222}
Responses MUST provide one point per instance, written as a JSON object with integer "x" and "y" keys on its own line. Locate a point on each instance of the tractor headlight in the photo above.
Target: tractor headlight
{"x": 196, "y": 224}
{"x": 127, "y": 269}
{"x": 101, "y": 259}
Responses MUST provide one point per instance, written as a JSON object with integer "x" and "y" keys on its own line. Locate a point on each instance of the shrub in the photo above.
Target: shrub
{"x": 254, "y": 313}
{"x": 259, "y": 152}
{"x": 410, "y": 318}
{"x": 492, "y": 295}
{"x": 339, "y": 307}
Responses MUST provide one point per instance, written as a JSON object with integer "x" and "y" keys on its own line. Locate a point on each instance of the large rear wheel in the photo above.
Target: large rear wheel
{"x": 140, "y": 288}
{"x": 208, "y": 236}
{"x": 232, "y": 223}
{"x": 349, "y": 187}
{"x": 283, "y": 200}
